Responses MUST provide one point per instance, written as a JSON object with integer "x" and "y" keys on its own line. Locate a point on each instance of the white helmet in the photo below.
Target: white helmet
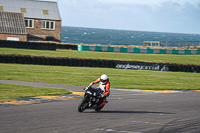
{"x": 104, "y": 78}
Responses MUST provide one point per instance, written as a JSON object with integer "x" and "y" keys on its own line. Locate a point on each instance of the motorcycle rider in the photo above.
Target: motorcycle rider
{"x": 104, "y": 85}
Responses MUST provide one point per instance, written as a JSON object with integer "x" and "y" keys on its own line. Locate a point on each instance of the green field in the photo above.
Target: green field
{"x": 17, "y": 91}
{"x": 159, "y": 58}
{"x": 82, "y": 76}
{"x": 119, "y": 78}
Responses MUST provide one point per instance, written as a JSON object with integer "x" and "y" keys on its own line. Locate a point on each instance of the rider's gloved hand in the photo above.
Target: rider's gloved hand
{"x": 102, "y": 95}
{"x": 86, "y": 88}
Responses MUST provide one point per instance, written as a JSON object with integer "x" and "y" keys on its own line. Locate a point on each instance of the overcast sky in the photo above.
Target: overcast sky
{"x": 179, "y": 16}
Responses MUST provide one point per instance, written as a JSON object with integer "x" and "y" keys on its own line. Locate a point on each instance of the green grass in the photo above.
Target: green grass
{"x": 159, "y": 58}
{"x": 119, "y": 78}
{"x": 17, "y": 91}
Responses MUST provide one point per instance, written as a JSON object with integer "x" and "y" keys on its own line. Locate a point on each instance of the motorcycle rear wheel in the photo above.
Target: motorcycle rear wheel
{"x": 83, "y": 104}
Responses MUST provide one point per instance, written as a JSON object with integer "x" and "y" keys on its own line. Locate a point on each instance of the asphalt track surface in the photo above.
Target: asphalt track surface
{"x": 128, "y": 111}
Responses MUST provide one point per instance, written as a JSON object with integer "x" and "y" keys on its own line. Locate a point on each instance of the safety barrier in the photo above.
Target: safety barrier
{"x": 62, "y": 61}
{"x": 137, "y": 50}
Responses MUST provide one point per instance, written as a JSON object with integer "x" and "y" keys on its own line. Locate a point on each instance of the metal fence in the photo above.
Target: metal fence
{"x": 171, "y": 43}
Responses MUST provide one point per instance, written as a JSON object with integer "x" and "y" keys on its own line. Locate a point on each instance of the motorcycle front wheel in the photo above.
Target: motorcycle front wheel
{"x": 83, "y": 104}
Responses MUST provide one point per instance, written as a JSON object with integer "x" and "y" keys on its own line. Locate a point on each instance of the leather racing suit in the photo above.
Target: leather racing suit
{"x": 105, "y": 87}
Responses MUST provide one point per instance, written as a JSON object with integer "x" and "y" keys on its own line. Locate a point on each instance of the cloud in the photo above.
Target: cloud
{"x": 154, "y": 15}
{"x": 176, "y": 17}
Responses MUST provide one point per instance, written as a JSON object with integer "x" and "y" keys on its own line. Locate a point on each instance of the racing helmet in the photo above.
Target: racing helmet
{"x": 104, "y": 78}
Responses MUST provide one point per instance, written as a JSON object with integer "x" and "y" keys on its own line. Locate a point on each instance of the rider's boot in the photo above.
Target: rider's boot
{"x": 103, "y": 102}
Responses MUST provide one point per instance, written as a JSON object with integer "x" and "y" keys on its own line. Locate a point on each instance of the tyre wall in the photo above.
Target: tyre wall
{"x": 28, "y": 45}
{"x": 36, "y": 45}
{"x": 25, "y": 59}
{"x": 66, "y": 46}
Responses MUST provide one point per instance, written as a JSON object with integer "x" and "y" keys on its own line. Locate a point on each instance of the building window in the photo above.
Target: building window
{"x": 49, "y": 25}
{"x": 29, "y": 23}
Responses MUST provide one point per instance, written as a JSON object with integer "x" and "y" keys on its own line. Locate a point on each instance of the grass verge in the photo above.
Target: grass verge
{"x": 17, "y": 91}
{"x": 119, "y": 78}
{"x": 159, "y": 58}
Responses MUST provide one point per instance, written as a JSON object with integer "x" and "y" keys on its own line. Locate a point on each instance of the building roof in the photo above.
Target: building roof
{"x": 32, "y": 8}
{"x": 12, "y": 23}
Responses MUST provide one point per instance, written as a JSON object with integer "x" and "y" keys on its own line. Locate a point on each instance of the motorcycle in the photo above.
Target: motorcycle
{"x": 91, "y": 100}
